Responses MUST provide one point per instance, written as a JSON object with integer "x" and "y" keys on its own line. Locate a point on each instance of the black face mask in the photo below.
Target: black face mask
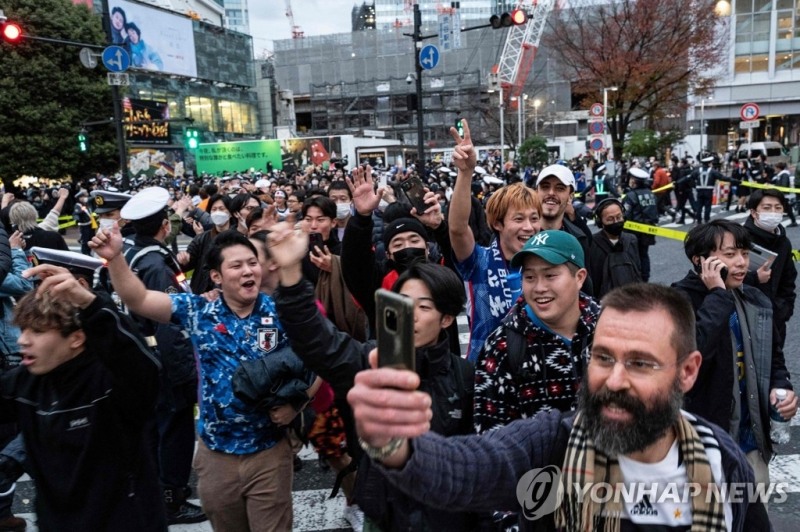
{"x": 405, "y": 257}
{"x": 614, "y": 229}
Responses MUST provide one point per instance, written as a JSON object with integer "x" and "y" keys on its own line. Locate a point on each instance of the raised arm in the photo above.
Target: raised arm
{"x": 465, "y": 159}
{"x": 151, "y": 304}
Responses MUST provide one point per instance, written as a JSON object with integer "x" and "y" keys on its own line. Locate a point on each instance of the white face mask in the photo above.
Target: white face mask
{"x": 382, "y": 205}
{"x": 106, "y": 223}
{"x": 769, "y": 220}
{"x": 219, "y": 218}
{"x": 342, "y": 211}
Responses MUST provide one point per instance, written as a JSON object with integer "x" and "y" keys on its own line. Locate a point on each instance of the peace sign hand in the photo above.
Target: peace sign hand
{"x": 464, "y": 156}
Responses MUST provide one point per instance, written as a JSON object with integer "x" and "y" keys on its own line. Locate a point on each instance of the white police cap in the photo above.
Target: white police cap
{"x": 708, "y": 159}
{"x": 74, "y": 262}
{"x": 145, "y": 203}
{"x": 638, "y": 173}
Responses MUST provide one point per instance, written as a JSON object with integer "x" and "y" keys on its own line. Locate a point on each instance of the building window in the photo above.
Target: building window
{"x": 202, "y": 110}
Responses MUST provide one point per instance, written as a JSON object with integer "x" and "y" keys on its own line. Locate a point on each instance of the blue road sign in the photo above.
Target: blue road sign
{"x": 429, "y": 57}
{"x": 116, "y": 59}
{"x": 596, "y": 144}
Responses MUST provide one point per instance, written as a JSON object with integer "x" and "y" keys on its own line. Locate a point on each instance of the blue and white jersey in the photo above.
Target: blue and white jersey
{"x": 222, "y": 341}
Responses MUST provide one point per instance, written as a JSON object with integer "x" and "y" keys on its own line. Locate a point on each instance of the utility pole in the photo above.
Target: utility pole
{"x": 418, "y": 70}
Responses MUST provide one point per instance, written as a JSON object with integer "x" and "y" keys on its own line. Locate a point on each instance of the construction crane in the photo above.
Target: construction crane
{"x": 519, "y": 50}
{"x": 297, "y": 33}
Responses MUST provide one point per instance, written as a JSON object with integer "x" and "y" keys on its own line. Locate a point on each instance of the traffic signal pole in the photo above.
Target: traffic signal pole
{"x": 418, "y": 70}
{"x": 116, "y": 102}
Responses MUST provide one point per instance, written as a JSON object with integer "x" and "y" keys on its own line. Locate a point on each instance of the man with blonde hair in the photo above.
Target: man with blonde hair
{"x": 23, "y": 219}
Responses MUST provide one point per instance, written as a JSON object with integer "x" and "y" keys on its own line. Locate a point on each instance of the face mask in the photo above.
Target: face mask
{"x": 382, "y": 205}
{"x": 219, "y": 218}
{"x": 769, "y": 220}
{"x": 406, "y": 257}
{"x": 614, "y": 229}
{"x": 314, "y": 182}
{"x": 342, "y": 211}
{"x": 106, "y": 223}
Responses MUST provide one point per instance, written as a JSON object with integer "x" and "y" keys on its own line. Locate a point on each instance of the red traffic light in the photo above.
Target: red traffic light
{"x": 518, "y": 16}
{"x": 12, "y": 33}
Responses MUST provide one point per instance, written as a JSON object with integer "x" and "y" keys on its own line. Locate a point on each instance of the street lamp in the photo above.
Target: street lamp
{"x": 703, "y": 123}
{"x": 605, "y": 115}
{"x": 520, "y": 117}
{"x": 536, "y": 104}
{"x": 502, "y": 128}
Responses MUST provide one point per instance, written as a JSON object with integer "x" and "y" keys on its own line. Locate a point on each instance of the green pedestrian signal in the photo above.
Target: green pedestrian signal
{"x": 83, "y": 142}
{"x": 192, "y": 138}
{"x": 460, "y": 127}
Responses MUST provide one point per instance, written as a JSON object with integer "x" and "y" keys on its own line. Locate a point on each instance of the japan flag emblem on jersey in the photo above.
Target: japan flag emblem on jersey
{"x": 267, "y": 339}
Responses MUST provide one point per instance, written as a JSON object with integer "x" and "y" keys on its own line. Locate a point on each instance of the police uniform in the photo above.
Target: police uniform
{"x": 706, "y": 178}
{"x": 86, "y": 224}
{"x": 158, "y": 269}
{"x": 640, "y": 206}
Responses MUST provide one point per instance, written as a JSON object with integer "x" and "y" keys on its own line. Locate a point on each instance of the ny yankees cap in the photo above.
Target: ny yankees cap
{"x": 555, "y": 247}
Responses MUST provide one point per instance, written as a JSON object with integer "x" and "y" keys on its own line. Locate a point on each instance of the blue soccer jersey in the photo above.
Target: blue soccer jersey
{"x": 222, "y": 341}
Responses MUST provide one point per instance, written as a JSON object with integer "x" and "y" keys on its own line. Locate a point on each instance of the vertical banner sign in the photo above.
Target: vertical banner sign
{"x": 445, "y": 32}
{"x": 455, "y": 27}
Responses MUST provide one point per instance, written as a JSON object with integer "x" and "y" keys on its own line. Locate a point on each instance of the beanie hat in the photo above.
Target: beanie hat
{"x": 403, "y": 225}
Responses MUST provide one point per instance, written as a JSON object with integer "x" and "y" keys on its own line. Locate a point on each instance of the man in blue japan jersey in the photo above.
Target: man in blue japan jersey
{"x": 243, "y": 460}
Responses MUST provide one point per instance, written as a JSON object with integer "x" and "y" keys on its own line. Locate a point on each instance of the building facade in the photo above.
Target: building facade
{"x": 763, "y": 67}
{"x": 399, "y": 13}
{"x": 363, "y": 17}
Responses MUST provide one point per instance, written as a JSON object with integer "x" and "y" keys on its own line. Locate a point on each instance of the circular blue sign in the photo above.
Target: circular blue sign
{"x": 596, "y": 128}
{"x": 116, "y": 59}
{"x": 596, "y": 144}
{"x": 429, "y": 57}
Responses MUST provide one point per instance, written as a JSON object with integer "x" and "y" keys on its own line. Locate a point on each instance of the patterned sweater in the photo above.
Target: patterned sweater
{"x": 548, "y": 377}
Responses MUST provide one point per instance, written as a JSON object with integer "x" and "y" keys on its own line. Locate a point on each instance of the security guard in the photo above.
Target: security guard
{"x": 156, "y": 266}
{"x": 640, "y": 206}
{"x": 79, "y": 265}
{"x": 86, "y": 223}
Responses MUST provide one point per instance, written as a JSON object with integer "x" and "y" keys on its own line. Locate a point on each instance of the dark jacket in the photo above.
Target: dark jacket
{"x": 198, "y": 252}
{"x": 84, "y": 428}
{"x": 158, "y": 270}
{"x": 599, "y": 251}
{"x": 781, "y": 286}
{"x": 580, "y": 230}
{"x": 44, "y": 239}
{"x": 712, "y": 396}
{"x": 481, "y": 473}
{"x": 5, "y": 255}
{"x": 337, "y": 358}
{"x": 273, "y": 380}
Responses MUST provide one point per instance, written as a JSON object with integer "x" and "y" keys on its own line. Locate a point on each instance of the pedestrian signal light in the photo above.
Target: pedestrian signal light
{"x": 83, "y": 142}
{"x": 192, "y": 138}
{"x": 12, "y": 33}
{"x": 460, "y": 127}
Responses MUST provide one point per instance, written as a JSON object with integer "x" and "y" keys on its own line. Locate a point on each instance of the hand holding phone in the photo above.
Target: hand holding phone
{"x": 415, "y": 192}
{"x": 394, "y": 321}
{"x": 315, "y": 241}
{"x": 707, "y": 267}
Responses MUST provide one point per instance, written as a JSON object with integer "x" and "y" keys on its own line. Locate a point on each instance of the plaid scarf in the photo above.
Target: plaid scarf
{"x": 584, "y": 465}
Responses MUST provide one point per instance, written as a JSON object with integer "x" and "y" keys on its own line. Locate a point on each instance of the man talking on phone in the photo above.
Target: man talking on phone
{"x": 743, "y": 363}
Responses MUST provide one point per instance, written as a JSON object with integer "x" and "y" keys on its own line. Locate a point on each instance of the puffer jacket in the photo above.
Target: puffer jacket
{"x": 336, "y": 357}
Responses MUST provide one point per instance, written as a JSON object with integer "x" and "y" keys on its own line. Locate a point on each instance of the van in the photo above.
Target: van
{"x": 774, "y": 150}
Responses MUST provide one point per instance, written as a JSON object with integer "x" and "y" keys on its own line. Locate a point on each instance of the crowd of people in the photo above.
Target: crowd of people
{"x": 267, "y": 322}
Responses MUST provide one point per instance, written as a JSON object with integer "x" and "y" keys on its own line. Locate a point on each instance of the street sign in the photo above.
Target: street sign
{"x": 118, "y": 78}
{"x": 596, "y": 109}
{"x": 749, "y": 124}
{"x": 445, "y": 32}
{"x": 429, "y": 57}
{"x": 596, "y": 128}
{"x": 749, "y": 111}
{"x": 88, "y": 58}
{"x": 116, "y": 59}
{"x": 596, "y": 144}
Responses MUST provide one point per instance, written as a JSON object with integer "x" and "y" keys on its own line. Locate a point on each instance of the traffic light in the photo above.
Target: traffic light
{"x": 83, "y": 142}
{"x": 192, "y": 138}
{"x": 515, "y": 18}
{"x": 12, "y": 33}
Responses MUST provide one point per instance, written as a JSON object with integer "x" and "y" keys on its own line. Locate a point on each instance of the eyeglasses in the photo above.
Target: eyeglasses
{"x": 636, "y": 367}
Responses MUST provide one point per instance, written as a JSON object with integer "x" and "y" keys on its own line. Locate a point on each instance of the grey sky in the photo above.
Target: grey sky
{"x": 268, "y": 19}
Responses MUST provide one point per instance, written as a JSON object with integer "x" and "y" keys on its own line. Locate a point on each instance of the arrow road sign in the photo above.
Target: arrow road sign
{"x": 749, "y": 111}
{"x": 429, "y": 57}
{"x": 116, "y": 59}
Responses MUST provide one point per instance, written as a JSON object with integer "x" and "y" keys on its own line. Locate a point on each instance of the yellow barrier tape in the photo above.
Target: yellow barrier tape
{"x": 65, "y": 225}
{"x": 656, "y": 231}
{"x": 796, "y": 255}
{"x": 751, "y": 184}
{"x": 670, "y": 186}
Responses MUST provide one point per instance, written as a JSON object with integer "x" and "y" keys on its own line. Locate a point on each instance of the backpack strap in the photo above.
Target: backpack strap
{"x": 515, "y": 346}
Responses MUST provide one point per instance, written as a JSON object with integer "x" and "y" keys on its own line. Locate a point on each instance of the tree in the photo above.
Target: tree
{"x": 656, "y": 52}
{"x": 647, "y": 142}
{"x": 533, "y": 152}
{"x": 45, "y": 94}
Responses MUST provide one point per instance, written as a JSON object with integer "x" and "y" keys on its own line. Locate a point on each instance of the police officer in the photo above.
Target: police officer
{"x": 640, "y": 206}
{"x": 83, "y": 217}
{"x": 706, "y": 178}
{"x": 107, "y": 206}
{"x": 158, "y": 269}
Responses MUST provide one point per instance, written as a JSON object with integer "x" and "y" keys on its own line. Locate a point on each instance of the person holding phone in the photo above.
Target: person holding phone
{"x": 743, "y": 362}
{"x": 438, "y": 297}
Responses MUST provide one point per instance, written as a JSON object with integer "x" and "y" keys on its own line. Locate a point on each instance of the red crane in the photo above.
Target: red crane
{"x": 297, "y": 33}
